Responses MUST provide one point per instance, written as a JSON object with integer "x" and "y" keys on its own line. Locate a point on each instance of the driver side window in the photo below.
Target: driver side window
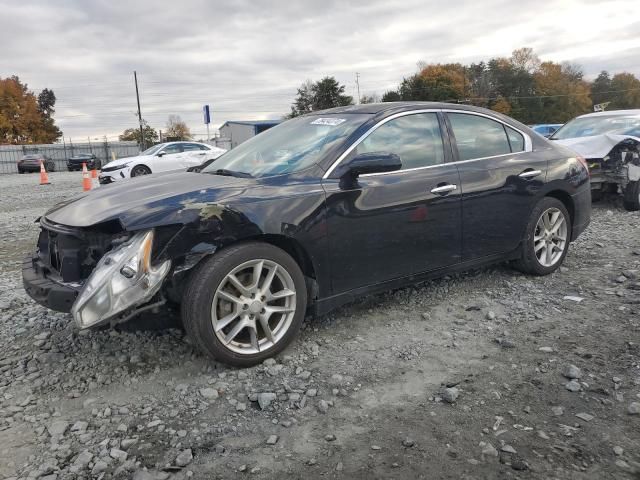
{"x": 416, "y": 139}
{"x": 171, "y": 149}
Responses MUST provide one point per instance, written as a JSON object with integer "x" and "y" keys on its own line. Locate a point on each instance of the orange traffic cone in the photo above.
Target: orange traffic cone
{"x": 86, "y": 181}
{"x": 94, "y": 179}
{"x": 44, "y": 176}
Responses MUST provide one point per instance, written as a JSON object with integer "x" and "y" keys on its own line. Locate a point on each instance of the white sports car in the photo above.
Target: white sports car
{"x": 164, "y": 157}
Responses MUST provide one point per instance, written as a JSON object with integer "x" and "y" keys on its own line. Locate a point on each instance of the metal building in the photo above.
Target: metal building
{"x": 236, "y": 132}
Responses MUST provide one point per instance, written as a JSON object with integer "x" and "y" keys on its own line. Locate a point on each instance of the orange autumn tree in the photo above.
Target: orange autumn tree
{"x": 24, "y": 120}
{"x": 562, "y": 92}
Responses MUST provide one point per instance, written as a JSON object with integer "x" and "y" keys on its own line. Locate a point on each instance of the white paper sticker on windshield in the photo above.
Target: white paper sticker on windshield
{"x": 328, "y": 121}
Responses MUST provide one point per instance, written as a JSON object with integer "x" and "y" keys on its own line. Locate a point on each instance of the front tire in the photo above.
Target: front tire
{"x": 140, "y": 170}
{"x": 245, "y": 303}
{"x": 547, "y": 238}
{"x": 631, "y": 200}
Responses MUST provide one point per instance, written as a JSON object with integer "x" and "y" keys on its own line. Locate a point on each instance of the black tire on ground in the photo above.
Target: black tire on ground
{"x": 203, "y": 282}
{"x": 51, "y": 167}
{"x": 528, "y": 262}
{"x": 20, "y": 171}
{"x": 631, "y": 197}
{"x": 139, "y": 170}
{"x": 596, "y": 195}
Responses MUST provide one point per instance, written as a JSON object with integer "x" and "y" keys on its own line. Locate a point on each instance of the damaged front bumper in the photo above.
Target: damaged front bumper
{"x": 123, "y": 280}
{"x": 44, "y": 288}
{"x": 612, "y": 159}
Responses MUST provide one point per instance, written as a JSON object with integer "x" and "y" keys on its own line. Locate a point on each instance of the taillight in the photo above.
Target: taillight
{"x": 584, "y": 163}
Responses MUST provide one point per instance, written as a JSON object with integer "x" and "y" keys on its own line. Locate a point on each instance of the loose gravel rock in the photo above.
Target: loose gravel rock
{"x": 364, "y": 391}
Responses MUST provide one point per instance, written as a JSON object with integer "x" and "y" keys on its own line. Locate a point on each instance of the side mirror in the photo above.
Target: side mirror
{"x": 161, "y": 153}
{"x": 374, "y": 162}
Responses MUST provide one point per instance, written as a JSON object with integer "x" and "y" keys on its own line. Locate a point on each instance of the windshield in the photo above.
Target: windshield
{"x": 291, "y": 146}
{"x": 599, "y": 125}
{"x": 152, "y": 150}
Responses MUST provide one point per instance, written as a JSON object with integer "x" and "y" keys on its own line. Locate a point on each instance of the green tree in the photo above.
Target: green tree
{"x": 328, "y": 93}
{"x": 149, "y": 135}
{"x": 325, "y": 93}
{"x": 625, "y": 91}
{"x": 47, "y": 102}
{"x": 21, "y": 118}
{"x": 391, "y": 96}
{"x": 304, "y": 100}
{"x": 601, "y": 87}
{"x": 374, "y": 98}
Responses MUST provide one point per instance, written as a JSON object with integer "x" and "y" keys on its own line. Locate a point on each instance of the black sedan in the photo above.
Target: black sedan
{"x": 76, "y": 161}
{"x": 308, "y": 215}
{"x": 31, "y": 163}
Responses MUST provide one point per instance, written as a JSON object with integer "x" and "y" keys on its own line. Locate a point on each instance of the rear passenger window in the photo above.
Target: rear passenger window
{"x": 478, "y": 137}
{"x": 416, "y": 139}
{"x": 515, "y": 139}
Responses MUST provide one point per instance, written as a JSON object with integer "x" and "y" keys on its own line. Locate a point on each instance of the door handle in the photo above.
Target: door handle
{"x": 444, "y": 188}
{"x": 530, "y": 173}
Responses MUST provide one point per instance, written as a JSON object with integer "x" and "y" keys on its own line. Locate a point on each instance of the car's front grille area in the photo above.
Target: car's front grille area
{"x": 105, "y": 180}
{"x": 69, "y": 253}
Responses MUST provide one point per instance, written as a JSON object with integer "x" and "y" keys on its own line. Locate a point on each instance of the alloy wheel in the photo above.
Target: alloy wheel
{"x": 139, "y": 171}
{"x": 253, "y": 306}
{"x": 550, "y": 237}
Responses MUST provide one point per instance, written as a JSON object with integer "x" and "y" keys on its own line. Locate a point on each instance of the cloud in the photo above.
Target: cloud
{"x": 246, "y": 58}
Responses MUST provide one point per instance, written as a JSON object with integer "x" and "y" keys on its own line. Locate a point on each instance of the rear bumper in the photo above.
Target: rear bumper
{"x": 44, "y": 290}
{"x": 29, "y": 168}
{"x": 78, "y": 166}
{"x": 582, "y": 212}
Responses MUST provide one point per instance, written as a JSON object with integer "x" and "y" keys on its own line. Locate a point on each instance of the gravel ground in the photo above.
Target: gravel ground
{"x": 489, "y": 374}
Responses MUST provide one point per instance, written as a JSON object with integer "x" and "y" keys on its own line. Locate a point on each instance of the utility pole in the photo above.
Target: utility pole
{"x": 135, "y": 79}
{"x": 358, "y": 86}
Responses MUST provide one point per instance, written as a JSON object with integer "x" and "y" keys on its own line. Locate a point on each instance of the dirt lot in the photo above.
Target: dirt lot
{"x": 490, "y": 374}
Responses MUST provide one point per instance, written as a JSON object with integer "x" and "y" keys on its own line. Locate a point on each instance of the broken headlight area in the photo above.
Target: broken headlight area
{"x": 620, "y": 165}
{"x": 123, "y": 278}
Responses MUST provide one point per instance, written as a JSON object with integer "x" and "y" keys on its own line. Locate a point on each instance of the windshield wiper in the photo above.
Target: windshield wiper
{"x": 231, "y": 173}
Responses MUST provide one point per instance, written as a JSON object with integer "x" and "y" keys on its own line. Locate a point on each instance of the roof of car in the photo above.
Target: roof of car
{"x": 611, "y": 113}
{"x": 374, "y": 108}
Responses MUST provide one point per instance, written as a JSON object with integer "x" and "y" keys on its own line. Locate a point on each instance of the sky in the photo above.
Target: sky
{"x": 247, "y": 58}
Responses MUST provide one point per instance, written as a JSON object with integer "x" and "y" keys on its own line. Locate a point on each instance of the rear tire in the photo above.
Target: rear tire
{"x": 51, "y": 167}
{"x": 631, "y": 200}
{"x": 232, "y": 273}
{"x": 539, "y": 238}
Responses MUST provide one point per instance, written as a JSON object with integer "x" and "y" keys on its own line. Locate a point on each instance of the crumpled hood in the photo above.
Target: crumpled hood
{"x": 148, "y": 201}
{"x": 595, "y": 146}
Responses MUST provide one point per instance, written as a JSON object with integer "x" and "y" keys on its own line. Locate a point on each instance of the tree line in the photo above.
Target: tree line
{"x": 521, "y": 86}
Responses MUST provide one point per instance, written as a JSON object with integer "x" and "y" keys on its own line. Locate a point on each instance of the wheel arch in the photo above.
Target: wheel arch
{"x": 567, "y": 201}
{"x": 141, "y": 164}
{"x": 293, "y": 248}
{"x": 288, "y": 244}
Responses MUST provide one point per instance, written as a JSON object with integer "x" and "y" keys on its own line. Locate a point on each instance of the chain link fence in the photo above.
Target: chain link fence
{"x": 59, "y": 153}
